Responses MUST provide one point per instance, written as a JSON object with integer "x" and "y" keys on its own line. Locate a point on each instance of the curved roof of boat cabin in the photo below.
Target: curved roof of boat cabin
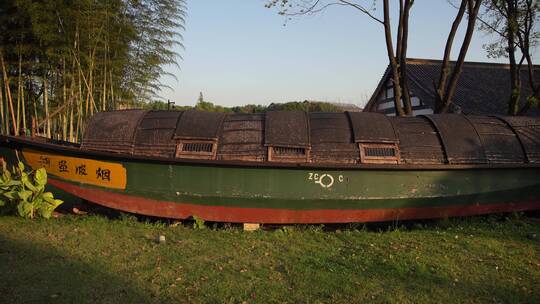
{"x": 300, "y": 137}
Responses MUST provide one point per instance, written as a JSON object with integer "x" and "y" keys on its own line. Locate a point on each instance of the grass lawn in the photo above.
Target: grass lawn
{"x": 78, "y": 259}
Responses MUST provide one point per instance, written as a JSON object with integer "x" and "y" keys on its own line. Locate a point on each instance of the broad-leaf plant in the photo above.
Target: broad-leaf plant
{"x": 24, "y": 192}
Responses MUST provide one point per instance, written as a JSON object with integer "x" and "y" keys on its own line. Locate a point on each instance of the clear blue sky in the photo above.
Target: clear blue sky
{"x": 238, "y": 52}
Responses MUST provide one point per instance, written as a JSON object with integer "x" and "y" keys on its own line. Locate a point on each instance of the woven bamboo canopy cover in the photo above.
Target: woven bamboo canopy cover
{"x": 300, "y": 137}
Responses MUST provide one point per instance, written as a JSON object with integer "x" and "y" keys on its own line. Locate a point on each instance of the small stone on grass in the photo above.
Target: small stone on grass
{"x": 160, "y": 239}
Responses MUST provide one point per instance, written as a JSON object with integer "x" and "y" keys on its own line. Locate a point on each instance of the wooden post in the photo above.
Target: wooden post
{"x": 251, "y": 227}
{"x": 169, "y": 103}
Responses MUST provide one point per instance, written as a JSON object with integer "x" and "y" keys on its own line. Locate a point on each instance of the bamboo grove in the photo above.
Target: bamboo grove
{"x": 63, "y": 60}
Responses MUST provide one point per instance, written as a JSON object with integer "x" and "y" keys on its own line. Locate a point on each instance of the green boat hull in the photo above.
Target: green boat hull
{"x": 231, "y": 192}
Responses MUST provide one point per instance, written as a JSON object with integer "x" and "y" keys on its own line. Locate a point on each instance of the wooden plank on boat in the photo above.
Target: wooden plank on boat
{"x": 287, "y": 129}
{"x": 331, "y": 138}
{"x": 242, "y": 138}
{"x": 500, "y": 142}
{"x": 419, "y": 142}
{"x": 528, "y": 132}
{"x": 372, "y": 127}
{"x": 460, "y": 140}
{"x": 329, "y": 128}
{"x": 199, "y": 125}
{"x": 154, "y": 136}
{"x": 160, "y": 119}
{"x": 112, "y": 131}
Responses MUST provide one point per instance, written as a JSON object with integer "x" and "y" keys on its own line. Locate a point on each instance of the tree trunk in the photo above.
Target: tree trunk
{"x": 445, "y": 67}
{"x": 534, "y": 98}
{"x": 392, "y": 60}
{"x": 535, "y": 87}
{"x": 473, "y": 7}
{"x": 403, "y": 59}
{"x": 524, "y": 40}
{"x": 515, "y": 81}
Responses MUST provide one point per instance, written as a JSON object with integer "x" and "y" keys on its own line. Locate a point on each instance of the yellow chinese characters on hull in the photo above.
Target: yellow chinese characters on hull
{"x": 86, "y": 171}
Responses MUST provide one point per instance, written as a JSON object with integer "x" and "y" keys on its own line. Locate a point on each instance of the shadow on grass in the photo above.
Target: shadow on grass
{"x": 421, "y": 285}
{"x": 379, "y": 280}
{"x": 32, "y": 273}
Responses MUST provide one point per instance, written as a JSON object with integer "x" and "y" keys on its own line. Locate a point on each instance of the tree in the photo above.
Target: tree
{"x": 515, "y": 24}
{"x": 396, "y": 58}
{"x": 449, "y": 77}
{"x": 201, "y": 97}
{"x": 306, "y": 106}
{"x": 65, "y": 60}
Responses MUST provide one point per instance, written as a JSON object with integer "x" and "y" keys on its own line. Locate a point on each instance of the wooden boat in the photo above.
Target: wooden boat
{"x": 295, "y": 167}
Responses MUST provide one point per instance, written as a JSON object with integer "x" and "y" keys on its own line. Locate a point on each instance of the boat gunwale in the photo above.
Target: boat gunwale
{"x": 102, "y": 155}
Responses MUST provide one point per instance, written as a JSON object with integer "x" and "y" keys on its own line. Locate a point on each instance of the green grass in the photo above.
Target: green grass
{"x": 78, "y": 259}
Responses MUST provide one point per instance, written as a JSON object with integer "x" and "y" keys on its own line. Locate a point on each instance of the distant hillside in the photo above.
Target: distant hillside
{"x": 307, "y": 106}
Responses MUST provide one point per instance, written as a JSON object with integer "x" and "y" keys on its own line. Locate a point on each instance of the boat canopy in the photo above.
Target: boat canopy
{"x": 300, "y": 137}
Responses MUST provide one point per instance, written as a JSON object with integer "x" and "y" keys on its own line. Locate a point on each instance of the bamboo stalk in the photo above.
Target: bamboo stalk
{"x": 88, "y": 85}
{"x": 91, "y": 83}
{"x": 23, "y": 108}
{"x": 8, "y": 93}
{"x": 78, "y": 128}
{"x": 81, "y": 112}
{"x": 73, "y": 94}
{"x": 56, "y": 112}
{"x": 64, "y": 93}
{"x": 104, "y": 107}
{"x": 19, "y": 90}
{"x": 113, "y": 103}
{"x": 46, "y": 105}
{"x": 2, "y": 106}
{"x": 104, "y": 93}
{"x": 34, "y": 102}
{"x": 64, "y": 126}
{"x": 71, "y": 139}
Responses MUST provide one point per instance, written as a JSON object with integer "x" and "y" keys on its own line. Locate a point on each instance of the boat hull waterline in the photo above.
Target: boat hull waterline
{"x": 281, "y": 195}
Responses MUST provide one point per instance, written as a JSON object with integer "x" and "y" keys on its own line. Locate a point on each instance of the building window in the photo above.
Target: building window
{"x": 426, "y": 111}
{"x": 390, "y": 92}
{"x": 386, "y": 105}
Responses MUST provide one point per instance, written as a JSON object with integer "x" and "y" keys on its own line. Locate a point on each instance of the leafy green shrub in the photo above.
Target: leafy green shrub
{"x": 198, "y": 223}
{"x": 25, "y": 192}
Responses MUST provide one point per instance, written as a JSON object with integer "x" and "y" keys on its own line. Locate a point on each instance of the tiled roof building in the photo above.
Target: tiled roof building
{"x": 483, "y": 88}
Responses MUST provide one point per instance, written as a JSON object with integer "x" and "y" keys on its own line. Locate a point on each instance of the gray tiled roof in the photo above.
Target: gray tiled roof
{"x": 483, "y": 88}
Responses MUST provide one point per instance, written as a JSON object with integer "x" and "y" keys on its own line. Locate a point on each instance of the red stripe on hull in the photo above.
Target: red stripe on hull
{"x": 175, "y": 210}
